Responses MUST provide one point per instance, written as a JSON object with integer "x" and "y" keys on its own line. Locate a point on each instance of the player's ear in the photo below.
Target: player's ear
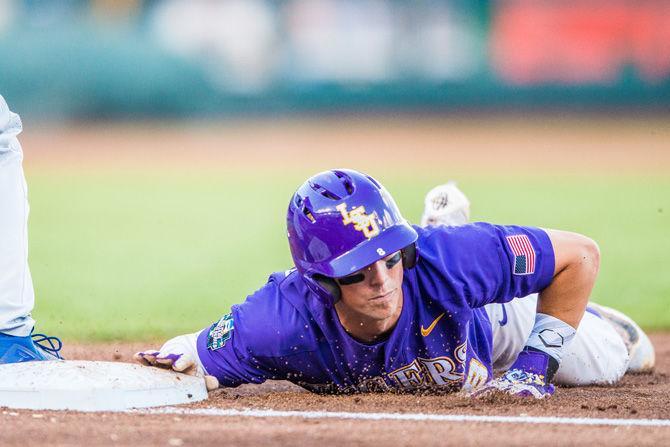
{"x": 329, "y": 285}
{"x": 409, "y": 256}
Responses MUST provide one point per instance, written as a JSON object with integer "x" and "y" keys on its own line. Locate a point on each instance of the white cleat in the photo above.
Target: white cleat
{"x": 640, "y": 349}
{"x": 446, "y": 205}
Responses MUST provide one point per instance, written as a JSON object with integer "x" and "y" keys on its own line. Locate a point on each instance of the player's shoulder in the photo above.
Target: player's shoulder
{"x": 476, "y": 232}
{"x": 472, "y": 228}
{"x": 450, "y": 255}
{"x": 444, "y": 237}
{"x": 465, "y": 252}
{"x": 279, "y": 290}
{"x": 275, "y": 319}
{"x": 480, "y": 248}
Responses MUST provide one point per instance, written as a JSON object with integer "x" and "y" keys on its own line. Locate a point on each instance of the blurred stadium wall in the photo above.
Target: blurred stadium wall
{"x": 196, "y": 58}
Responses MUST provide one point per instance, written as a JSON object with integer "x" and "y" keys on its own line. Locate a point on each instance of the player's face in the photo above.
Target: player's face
{"x": 375, "y": 292}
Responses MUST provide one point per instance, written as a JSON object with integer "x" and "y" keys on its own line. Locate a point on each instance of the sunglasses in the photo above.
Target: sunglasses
{"x": 360, "y": 275}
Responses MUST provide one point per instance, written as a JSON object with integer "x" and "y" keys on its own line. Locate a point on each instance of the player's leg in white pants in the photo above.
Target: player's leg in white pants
{"x": 16, "y": 287}
{"x": 597, "y": 354}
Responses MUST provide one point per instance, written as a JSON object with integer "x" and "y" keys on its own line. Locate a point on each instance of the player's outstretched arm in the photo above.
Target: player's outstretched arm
{"x": 561, "y": 306}
{"x": 179, "y": 354}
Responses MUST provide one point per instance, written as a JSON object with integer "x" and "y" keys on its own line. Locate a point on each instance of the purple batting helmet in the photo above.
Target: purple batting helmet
{"x": 340, "y": 221}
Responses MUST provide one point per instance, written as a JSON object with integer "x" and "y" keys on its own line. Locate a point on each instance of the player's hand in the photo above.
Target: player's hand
{"x": 179, "y": 354}
{"x": 517, "y": 382}
{"x": 525, "y": 378}
{"x": 446, "y": 205}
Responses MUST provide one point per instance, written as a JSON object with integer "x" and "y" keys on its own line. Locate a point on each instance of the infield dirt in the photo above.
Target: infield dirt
{"x": 640, "y": 396}
{"x": 580, "y": 144}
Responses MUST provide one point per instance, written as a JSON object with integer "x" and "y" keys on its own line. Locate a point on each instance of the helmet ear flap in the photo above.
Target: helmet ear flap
{"x": 410, "y": 255}
{"x": 329, "y": 286}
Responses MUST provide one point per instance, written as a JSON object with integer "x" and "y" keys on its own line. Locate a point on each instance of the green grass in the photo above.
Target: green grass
{"x": 147, "y": 255}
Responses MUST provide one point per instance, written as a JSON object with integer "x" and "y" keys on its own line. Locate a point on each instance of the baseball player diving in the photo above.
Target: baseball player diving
{"x": 376, "y": 304}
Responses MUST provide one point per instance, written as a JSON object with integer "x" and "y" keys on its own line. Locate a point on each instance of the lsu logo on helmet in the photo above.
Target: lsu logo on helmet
{"x": 367, "y": 223}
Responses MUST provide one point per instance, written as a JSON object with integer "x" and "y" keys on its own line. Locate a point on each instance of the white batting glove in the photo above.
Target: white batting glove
{"x": 179, "y": 354}
{"x": 446, "y": 205}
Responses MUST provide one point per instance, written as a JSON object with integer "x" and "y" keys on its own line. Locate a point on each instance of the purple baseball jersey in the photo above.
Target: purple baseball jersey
{"x": 443, "y": 338}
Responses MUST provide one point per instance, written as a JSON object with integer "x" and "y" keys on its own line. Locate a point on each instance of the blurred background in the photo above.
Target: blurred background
{"x": 163, "y": 138}
{"x": 201, "y": 58}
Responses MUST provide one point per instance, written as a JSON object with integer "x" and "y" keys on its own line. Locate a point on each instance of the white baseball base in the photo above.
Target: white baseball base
{"x": 94, "y": 386}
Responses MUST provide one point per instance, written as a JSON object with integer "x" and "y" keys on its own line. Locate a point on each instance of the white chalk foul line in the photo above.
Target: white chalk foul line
{"x": 405, "y": 417}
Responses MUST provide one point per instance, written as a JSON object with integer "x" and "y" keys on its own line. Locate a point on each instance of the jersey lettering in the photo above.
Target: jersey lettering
{"x": 408, "y": 376}
{"x": 477, "y": 375}
{"x": 461, "y": 353}
{"x": 441, "y": 370}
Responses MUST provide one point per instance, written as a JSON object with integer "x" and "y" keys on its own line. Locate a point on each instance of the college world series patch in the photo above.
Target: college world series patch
{"x": 220, "y": 332}
{"x": 524, "y": 254}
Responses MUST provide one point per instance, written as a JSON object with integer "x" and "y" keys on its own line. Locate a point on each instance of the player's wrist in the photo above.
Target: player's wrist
{"x": 550, "y": 335}
{"x": 535, "y": 361}
{"x": 529, "y": 376}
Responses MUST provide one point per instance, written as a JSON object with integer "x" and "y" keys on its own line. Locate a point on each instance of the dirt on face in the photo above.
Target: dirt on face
{"x": 637, "y": 396}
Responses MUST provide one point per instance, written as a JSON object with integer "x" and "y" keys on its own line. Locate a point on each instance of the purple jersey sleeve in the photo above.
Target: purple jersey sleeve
{"x": 484, "y": 263}
{"x": 243, "y": 346}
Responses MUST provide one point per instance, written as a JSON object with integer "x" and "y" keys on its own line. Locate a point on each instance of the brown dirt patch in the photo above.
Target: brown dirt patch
{"x": 582, "y": 144}
{"x": 637, "y": 396}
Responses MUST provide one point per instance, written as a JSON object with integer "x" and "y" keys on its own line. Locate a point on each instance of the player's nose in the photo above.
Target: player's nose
{"x": 377, "y": 273}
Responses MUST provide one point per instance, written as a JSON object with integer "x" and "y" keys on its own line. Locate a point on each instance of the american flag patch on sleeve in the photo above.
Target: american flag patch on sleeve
{"x": 524, "y": 254}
